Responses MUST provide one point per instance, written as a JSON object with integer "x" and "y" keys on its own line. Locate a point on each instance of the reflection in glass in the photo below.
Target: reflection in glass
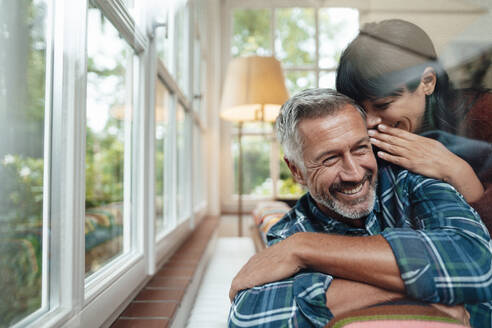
{"x": 251, "y": 33}
{"x": 296, "y": 81}
{"x": 295, "y": 36}
{"x": 162, "y": 210}
{"x": 198, "y": 165}
{"x": 181, "y": 155}
{"x": 256, "y": 167}
{"x": 181, "y": 55}
{"x": 108, "y": 126}
{"x": 338, "y": 26}
{"x": 198, "y": 76}
{"x": 22, "y": 114}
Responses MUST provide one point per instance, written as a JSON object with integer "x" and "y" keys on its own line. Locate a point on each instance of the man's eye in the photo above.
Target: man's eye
{"x": 362, "y": 149}
{"x": 330, "y": 160}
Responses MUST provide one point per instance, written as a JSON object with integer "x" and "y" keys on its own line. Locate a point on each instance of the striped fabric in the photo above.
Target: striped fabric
{"x": 441, "y": 247}
{"x": 396, "y": 315}
{"x": 267, "y": 214}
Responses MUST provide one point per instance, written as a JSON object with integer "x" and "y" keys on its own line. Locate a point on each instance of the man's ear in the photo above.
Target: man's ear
{"x": 296, "y": 171}
{"x": 428, "y": 80}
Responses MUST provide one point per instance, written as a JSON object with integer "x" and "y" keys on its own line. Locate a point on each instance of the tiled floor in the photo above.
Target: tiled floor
{"x": 156, "y": 304}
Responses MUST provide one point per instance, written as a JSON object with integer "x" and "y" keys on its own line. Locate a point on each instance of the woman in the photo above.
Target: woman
{"x": 414, "y": 114}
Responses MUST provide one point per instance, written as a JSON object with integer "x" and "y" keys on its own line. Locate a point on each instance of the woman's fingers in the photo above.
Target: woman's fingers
{"x": 387, "y": 138}
{"x": 397, "y": 160}
{"x": 385, "y": 129}
{"x": 389, "y": 146}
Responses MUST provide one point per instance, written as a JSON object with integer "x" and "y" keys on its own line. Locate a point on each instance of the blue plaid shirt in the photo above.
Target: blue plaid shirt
{"x": 441, "y": 246}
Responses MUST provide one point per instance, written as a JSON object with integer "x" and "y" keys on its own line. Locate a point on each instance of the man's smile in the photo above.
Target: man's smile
{"x": 353, "y": 190}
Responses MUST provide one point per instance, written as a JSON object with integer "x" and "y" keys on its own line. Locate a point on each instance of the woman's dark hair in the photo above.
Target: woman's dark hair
{"x": 390, "y": 55}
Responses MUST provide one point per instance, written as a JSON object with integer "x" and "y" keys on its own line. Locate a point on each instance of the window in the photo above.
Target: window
{"x": 108, "y": 142}
{"x": 199, "y": 165}
{"x": 308, "y": 42}
{"x": 162, "y": 159}
{"x": 24, "y": 160}
{"x": 181, "y": 42}
{"x": 183, "y": 156}
{"x": 180, "y": 67}
{"x": 256, "y": 148}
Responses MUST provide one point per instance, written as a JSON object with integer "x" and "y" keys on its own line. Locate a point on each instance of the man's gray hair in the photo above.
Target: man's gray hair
{"x": 308, "y": 104}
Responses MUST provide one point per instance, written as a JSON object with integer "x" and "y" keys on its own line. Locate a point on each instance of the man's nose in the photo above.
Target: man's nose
{"x": 372, "y": 120}
{"x": 351, "y": 170}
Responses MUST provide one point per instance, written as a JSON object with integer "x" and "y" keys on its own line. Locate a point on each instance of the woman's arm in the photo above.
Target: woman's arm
{"x": 427, "y": 157}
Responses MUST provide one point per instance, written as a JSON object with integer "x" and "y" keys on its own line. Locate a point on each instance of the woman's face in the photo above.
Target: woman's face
{"x": 404, "y": 111}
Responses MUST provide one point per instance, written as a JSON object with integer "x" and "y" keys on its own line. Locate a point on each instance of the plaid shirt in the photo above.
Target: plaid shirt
{"x": 441, "y": 246}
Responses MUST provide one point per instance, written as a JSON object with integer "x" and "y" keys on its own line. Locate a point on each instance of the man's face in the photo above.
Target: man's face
{"x": 340, "y": 167}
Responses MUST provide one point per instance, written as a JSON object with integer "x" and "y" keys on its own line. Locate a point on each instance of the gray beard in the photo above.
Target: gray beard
{"x": 346, "y": 210}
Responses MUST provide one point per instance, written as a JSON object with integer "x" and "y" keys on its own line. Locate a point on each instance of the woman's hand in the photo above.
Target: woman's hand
{"x": 427, "y": 157}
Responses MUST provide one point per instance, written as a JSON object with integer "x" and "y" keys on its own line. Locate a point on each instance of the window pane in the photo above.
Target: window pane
{"x": 299, "y": 80}
{"x": 256, "y": 165}
{"x": 338, "y": 26}
{"x": 198, "y": 164}
{"x": 181, "y": 163}
{"x": 162, "y": 210}
{"x": 197, "y": 76}
{"x": 22, "y": 111}
{"x": 163, "y": 47}
{"x": 108, "y": 133}
{"x": 327, "y": 79}
{"x": 295, "y": 36}
{"x": 251, "y": 33}
{"x": 181, "y": 48}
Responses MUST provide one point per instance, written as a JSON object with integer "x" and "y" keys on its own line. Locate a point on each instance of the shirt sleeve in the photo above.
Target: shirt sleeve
{"x": 282, "y": 229}
{"x": 447, "y": 259}
{"x": 299, "y": 301}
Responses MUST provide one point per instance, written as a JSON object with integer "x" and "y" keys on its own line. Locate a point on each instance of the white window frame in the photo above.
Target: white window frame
{"x": 47, "y": 286}
{"x": 108, "y": 284}
{"x": 74, "y": 300}
{"x": 167, "y": 241}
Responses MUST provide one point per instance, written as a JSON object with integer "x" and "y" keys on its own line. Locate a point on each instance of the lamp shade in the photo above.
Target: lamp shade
{"x": 254, "y": 89}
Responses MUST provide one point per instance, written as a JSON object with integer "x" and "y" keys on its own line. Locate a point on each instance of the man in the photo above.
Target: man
{"x": 355, "y": 240}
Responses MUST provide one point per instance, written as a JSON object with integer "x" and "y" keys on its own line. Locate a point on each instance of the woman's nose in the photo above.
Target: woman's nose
{"x": 372, "y": 120}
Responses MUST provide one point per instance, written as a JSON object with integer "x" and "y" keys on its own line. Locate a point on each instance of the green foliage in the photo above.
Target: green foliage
{"x": 251, "y": 32}
{"x": 23, "y": 187}
{"x": 34, "y": 110}
{"x": 256, "y": 159}
{"x": 286, "y": 184}
{"x": 21, "y": 235}
{"x": 104, "y": 166}
{"x": 288, "y": 187}
{"x": 297, "y": 81}
{"x": 295, "y": 32}
{"x": 159, "y": 167}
